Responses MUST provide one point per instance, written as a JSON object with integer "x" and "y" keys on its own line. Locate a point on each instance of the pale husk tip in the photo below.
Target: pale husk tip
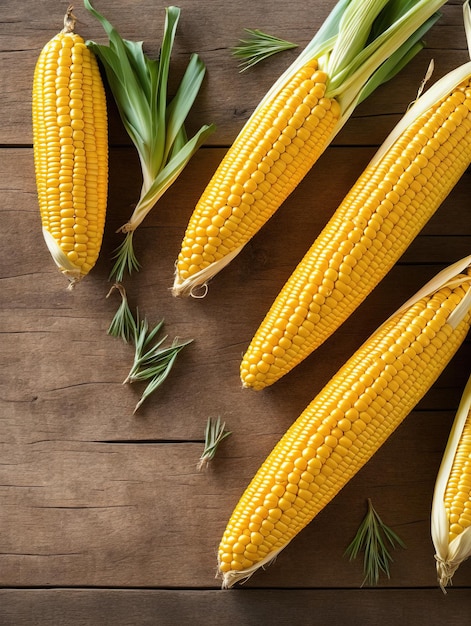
{"x": 197, "y": 284}
{"x": 230, "y": 578}
{"x": 71, "y": 272}
{"x": 445, "y": 571}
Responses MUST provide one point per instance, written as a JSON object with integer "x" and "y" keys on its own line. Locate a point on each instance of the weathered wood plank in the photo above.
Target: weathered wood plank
{"x": 82, "y": 607}
{"x": 228, "y": 97}
{"x": 108, "y": 514}
{"x": 92, "y": 496}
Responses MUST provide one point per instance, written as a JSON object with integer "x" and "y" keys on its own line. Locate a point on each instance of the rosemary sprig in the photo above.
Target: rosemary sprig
{"x": 373, "y": 538}
{"x": 258, "y": 47}
{"x": 151, "y": 361}
{"x": 214, "y": 433}
{"x": 123, "y": 323}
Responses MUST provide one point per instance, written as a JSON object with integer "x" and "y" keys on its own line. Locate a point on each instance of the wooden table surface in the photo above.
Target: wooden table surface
{"x": 104, "y": 518}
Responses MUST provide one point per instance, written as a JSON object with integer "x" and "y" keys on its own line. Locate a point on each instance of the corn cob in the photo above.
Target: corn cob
{"x": 347, "y": 422}
{"x": 70, "y": 150}
{"x": 293, "y": 125}
{"x": 399, "y": 191}
{"x": 451, "y": 506}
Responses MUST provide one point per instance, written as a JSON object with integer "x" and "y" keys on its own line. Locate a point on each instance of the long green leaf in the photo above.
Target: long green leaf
{"x": 398, "y": 59}
{"x": 179, "y": 107}
{"x": 355, "y": 25}
{"x": 172, "y": 15}
{"x": 119, "y": 62}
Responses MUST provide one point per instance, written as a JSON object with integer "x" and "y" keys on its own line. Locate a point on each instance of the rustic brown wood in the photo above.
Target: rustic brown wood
{"x": 109, "y": 507}
{"x": 82, "y": 607}
{"x": 227, "y": 98}
{"x": 138, "y": 514}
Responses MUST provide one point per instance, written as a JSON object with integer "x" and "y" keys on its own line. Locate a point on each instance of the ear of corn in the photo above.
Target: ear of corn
{"x": 293, "y": 125}
{"x": 451, "y": 507}
{"x": 399, "y": 191}
{"x": 347, "y": 422}
{"x": 70, "y": 151}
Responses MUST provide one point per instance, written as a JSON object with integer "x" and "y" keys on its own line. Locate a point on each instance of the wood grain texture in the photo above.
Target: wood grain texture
{"x": 104, "y": 518}
{"x": 82, "y": 607}
{"x": 212, "y": 29}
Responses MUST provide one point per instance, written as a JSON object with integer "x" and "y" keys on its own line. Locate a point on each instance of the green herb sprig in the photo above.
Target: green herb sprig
{"x": 155, "y": 124}
{"x": 152, "y": 362}
{"x": 214, "y": 433}
{"x": 257, "y": 47}
{"x": 373, "y": 538}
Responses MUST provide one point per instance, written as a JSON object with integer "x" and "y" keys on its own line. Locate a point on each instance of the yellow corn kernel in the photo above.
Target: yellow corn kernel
{"x": 377, "y": 223}
{"x": 70, "y": 150}
{"x": 315, "y": 439}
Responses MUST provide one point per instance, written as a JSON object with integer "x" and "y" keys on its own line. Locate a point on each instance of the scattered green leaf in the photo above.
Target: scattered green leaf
{"x": 152, "y": 362}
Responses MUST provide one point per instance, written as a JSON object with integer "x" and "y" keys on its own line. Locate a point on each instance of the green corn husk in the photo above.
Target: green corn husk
{"x": 155, "y": 125}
